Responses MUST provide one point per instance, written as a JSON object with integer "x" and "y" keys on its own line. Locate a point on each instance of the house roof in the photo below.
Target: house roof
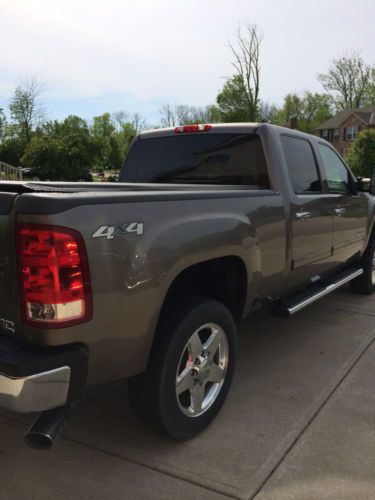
{"x": 365, "y": 114}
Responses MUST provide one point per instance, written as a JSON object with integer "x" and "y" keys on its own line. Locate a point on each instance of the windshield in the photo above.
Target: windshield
{"x": 231, "y": 159}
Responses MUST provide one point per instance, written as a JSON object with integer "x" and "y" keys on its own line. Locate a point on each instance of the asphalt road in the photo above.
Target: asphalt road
{"x": 299, "y": 424}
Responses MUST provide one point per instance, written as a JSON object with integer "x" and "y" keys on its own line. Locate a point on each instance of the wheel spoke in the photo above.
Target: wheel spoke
{"x": 196, "y": 397}
{"x": 185, "y": 380}
{"x": 212, "y": 343}
{"x": 195, "y": 346}
{"x": 216, "y": 374}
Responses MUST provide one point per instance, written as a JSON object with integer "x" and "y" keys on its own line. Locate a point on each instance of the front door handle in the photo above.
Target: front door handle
{"x": 339, "y": 211}
{"x": 303, "y": 215}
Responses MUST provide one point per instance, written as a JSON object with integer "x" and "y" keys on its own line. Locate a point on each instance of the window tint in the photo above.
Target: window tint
{"x": 199, "y": 159}
{"x": 301, "y": 165}
{"x": 337, "y": 174}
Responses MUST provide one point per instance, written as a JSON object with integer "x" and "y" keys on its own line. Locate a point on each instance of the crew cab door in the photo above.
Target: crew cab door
{"x": 311, "y": 216}
{"x": 349, "y": 208}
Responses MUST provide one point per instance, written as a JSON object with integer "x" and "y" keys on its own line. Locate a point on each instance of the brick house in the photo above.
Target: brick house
{"x": 342, "y": 128}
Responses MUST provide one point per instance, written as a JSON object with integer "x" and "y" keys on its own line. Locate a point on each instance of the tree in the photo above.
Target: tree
{"x": 61, "y": 150}
{"x": 127, "y": 126}
{"x": 232, "y": 101}
{"x": 369, "y": 96}
{"x": 361, "y": 156}
{"x": 183, "y": 114}
{"x": 167, "y": 116}
{"x": 348, "y": 82}
{"x": 25, "y": 108}
{"x": 310, "y": 110}
{"x": 267, "y": 112}
{"x": 3, "y": 124}
{"x": 102, "y": 132}
{"x": 239, "y": 99}
{"x": 11, "y": 150}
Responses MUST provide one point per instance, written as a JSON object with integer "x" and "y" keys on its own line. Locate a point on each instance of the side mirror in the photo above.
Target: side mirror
{"x": 372, "y": 182}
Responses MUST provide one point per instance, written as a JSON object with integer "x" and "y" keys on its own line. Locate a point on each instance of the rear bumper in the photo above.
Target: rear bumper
{"x": 38, "y": 392}
{"x": 34, "y": 379}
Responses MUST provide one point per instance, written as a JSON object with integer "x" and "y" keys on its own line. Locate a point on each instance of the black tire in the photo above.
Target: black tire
{"x": 365, "y": 283}
{"x": 153, "y": 394}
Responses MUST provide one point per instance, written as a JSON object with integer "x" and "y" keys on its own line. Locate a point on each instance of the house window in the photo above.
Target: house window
{"x": 351, "y": 133}
{"x": 325, "y": 135}
{"x": 336, "y": 134}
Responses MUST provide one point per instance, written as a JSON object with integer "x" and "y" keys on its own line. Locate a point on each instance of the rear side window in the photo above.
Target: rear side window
{"x": 301, "y": 164}
{"x": 226, "y": 159}
{"x": 338, "y": 177}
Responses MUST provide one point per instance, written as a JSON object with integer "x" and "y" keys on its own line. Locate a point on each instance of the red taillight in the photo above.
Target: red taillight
{"x": 54, "y": 275}
{"x": 188, "y": 129}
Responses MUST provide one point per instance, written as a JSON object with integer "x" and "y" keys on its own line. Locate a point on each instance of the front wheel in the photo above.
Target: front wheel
{"x": 190, "y": 369}
{"x": 365, "y": 283}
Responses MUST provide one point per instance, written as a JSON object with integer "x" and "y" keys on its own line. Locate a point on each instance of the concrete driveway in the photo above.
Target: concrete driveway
{"x": 298, "y": 424}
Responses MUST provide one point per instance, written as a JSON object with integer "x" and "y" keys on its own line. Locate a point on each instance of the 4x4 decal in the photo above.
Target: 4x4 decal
{"x": 109, "y": 232}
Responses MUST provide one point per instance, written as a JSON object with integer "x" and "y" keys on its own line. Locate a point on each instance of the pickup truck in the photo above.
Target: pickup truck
{"x": 146, "y": 278}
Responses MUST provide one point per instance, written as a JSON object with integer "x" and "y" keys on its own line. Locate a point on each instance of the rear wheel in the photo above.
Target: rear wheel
{"x": 190, "y": 369}
{"x": 365, "y": 284}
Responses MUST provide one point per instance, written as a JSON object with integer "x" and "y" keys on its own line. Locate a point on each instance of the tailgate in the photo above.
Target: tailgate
{"x": 10, "y": 321}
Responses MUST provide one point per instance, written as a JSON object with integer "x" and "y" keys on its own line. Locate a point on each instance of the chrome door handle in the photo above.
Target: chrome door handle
{"x": 339, "y": 211}
{"x": 303, "y": 215}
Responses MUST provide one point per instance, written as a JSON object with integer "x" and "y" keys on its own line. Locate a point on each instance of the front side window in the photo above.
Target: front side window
{"x": 301, "y": 165}
{"x": 351, "y": 133}
{"x": 212, "y": 158}
{"x": 338, "y": 176}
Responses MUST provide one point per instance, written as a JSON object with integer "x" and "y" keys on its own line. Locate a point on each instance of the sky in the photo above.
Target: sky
{"x": 98, "y": 56}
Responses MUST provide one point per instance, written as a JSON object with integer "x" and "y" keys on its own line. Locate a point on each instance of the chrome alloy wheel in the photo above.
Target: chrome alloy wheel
{"x": 201, "y": 370}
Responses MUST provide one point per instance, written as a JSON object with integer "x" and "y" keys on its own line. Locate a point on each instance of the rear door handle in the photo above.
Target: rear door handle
{"x": 339, "y": 211}
{"x": 303, "y": 215}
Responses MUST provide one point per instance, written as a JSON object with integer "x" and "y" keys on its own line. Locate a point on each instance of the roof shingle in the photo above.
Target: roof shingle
{"x": 366, "y": 114}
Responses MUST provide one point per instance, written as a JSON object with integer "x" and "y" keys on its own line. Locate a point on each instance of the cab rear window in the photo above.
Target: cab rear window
{"x": 225, "y": 159}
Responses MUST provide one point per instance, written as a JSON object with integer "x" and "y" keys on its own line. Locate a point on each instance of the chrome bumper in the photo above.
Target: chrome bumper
{"x": 34, "y": 393}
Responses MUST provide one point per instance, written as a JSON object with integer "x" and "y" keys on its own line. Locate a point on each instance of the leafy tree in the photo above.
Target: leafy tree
{"x": 361, "y": 156}
{"x": 11, "y": 150}
{"x": 348, "y": 82}
{"x": 102, "y": 132}
{"x": 232, "y": 101}
{"x": 3, "y": 125}
{"x": 310, "y": 110}
{"x": 61, "y": 150}
{"x": 25, "y": 108}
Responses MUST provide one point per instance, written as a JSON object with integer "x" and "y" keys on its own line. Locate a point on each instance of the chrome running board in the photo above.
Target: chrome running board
{"x": 309, "y": 296}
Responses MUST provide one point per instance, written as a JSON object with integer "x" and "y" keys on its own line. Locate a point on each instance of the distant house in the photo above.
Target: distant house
{"x": 341, "y": 129}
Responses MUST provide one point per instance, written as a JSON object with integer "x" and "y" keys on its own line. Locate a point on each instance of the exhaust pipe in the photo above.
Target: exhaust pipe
{"x": 46, "y": 428}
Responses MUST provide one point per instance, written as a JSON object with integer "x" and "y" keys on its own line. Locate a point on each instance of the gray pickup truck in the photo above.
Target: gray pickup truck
{"x": 145, "y": 278}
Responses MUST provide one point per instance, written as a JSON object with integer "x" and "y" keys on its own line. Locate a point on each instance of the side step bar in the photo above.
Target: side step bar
{"x": 292, "y": 305}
